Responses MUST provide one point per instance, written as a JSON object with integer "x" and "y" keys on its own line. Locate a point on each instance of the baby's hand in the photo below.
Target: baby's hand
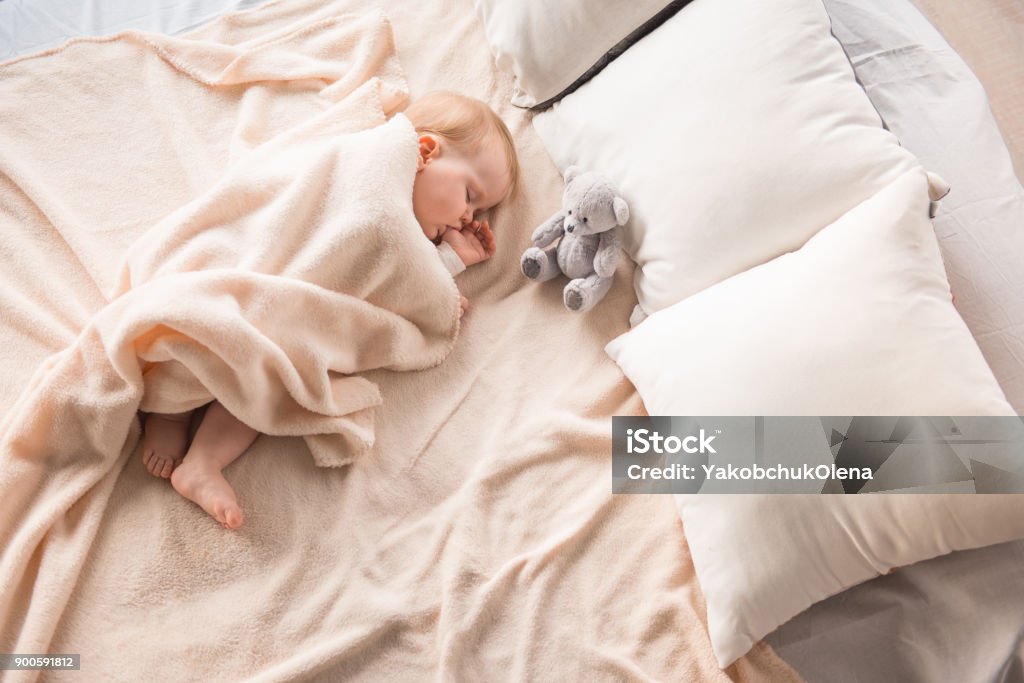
{"x": 473, "y": 243}
{"x": 463, "y": 305}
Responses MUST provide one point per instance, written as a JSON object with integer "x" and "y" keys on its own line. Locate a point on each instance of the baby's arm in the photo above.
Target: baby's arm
{"x": 450, "y": 259}
{"x": 460, "y": 249}
{"x": 454, "y": 264}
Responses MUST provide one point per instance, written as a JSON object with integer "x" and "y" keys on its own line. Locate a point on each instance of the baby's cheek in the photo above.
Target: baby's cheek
{"x": 445, "y": 206}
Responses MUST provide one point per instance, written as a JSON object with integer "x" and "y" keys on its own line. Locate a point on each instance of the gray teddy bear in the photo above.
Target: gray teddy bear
{"x": 588, "y": 252}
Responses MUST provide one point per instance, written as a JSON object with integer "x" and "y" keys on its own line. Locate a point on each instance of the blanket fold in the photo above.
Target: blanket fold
{"x": 300, "y": 268}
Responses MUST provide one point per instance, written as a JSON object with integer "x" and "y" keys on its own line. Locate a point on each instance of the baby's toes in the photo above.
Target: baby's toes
{"x": 152, "y": 462}
{"x": 157, "y": 465}
{"x": 228, "y": 514}
{"x": 233, "y": 517}
{"x": 166, "y": 468}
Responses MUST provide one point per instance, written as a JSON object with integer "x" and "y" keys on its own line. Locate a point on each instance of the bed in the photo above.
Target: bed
{"x": 478, "y": 539}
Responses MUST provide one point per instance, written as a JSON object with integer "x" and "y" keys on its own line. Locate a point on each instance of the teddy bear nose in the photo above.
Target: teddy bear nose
{"x": 570, "y": 228}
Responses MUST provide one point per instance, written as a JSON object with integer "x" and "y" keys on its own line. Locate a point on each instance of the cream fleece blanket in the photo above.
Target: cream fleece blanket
{"x": 301, "y": 268}
{"x": 476, "y": 540}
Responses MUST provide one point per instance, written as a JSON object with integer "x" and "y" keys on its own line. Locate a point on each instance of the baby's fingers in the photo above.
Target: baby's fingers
{"x": 487, "y": 238}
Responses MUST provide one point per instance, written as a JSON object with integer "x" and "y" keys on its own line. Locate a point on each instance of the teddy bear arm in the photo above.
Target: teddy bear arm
{"x": 548, "y": 231}
{"x": 607, "y": 257}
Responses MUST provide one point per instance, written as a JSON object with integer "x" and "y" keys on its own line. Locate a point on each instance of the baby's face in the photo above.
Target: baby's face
{"x": 452, "y": 187}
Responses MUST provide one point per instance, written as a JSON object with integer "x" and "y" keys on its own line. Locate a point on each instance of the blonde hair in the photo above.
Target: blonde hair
{"x": 465, "y": 122}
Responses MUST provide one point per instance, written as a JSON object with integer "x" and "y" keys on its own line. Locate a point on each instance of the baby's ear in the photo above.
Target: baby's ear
{"x": 430, "y": 147}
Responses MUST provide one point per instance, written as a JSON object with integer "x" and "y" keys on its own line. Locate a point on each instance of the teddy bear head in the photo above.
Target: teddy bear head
{"x": 591, "y": 204}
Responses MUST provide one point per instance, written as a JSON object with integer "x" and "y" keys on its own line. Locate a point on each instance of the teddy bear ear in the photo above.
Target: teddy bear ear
{"x": 621, "y": 210}
{"x": 571, "y": 173}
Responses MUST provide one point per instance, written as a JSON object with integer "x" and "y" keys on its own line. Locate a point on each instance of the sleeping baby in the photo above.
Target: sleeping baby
{"x": 467, "y": 165}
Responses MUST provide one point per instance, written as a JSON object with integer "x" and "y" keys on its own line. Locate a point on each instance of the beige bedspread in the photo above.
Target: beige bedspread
{"x": 477, "y": 540}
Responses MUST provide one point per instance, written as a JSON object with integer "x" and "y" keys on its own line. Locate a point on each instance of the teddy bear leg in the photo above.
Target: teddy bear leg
{"x": 584, "y": 293}
{"x": 540, "y": 265}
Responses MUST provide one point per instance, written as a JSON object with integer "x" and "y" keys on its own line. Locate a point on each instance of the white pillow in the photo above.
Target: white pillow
{"x": 735, "y": 131}
{"x": 763, "y": 559}
{"x": 857, "y": 322}
{"x": 548, "y": 46}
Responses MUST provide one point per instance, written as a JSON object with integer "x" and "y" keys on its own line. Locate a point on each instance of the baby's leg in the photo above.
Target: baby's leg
{"x": 220, "y": 440}
{"x": 164, "y": 442}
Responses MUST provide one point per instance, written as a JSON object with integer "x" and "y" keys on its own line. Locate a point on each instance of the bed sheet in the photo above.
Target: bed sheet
{"x": 952, "y": 618}
{"x": 479, "y": 539}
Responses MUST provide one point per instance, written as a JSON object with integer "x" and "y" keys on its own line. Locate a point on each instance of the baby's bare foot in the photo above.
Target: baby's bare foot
{"x": 206, "y": 487}
{"x": 164, "y": 442}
